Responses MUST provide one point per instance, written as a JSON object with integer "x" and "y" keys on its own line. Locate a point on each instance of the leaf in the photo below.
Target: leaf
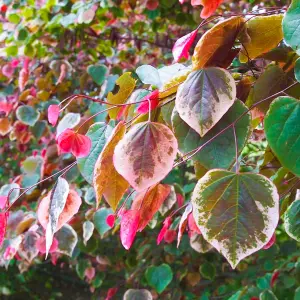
{"x": 291, "y": 220}
{"x": 182, "y": 46}
{"x": 199, "y": 244}
{"x": 297, "y": 70}
{"x": 210, "y": 6}
{"x": 106, "y": 180}
{"x": 5, "y": 189}
{"x": 265, "y": 33}
{"x": 100, "y": 220}
{"x": 71, "y": 207}
{"x": 208, "y": 271}
{"x": 129, "y": 225}
{"x": 5, "y": 126}
{"x": 149, "y": 75}
{"x": 291, "y": 25}
{"x": 67, "y": 240}
{"x": 27, "y": 115}
{"x": 154, "y": 102}
{"x": 28, "y": 249}
{"x": 220, "y": 152}
{"x": 169, "y": 202}
{"x": 236, "y": 213}
{"x": 272, "y": 81}
{"x": 98, "y": 134}
{"x": 148, "y": 203}
{"x": 166, "y": 224}
{"x": 283, "y": 132}
{"x": 214, "y": 49}
{"x": 70, "y": 120}
{"x": 205, "y": 97}
{"x": 159, "y": 277}
{"x": 88, "y": 229}
{"x": 125, "y": 84}
{"x": 58, "y": 199}
{"x": 183, "y": 222}
{"x": 53, "y": 114}
{"x": 141, "y": 294}
{"x": 267, "y": 295}
{"x": 154, "y": 141}
{"x": 3, "y": 224}
{"x": 97, "y": 72}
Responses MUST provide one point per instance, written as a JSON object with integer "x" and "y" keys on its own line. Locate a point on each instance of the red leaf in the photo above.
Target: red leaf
{"x": 154, "y": 101}
{"x": 183, "y": 45}
{"x": 167, "y": 223}
{"x": 183, "y": 222}
{"x": 152, "y": 4}
{"x": 270, "y": 242}
{"x": 149, "y": 202}
{"x": 110, "y": 220}
{"x": 274, "y": 278}
{"x": 180, "y": 199}
{"x": 3, "y": 223}
{"x": 170, "y": 236}
{"x": 53, "y": 113}
{"x": 129, "y": 225}
{"x": 111, "y": 292}
{"x": 210, "y": 6}
{"x": 90, "y": 273}
{"x": 3, "y": 8}
{"x": 192, "y": 224}
{"x": 79, "y": 145}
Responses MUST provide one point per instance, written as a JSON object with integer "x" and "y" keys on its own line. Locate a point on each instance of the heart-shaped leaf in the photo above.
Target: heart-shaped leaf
{"x": 236, "y": 213}
{"x": 97, "y": 72}
{"x": 220, "y": 152}
{"x": 205, "y": 97}
{"x": 291, "y": 220}
{"x": 149, "y": 75}
{"x": 98, "y": 134}
{"x": 27, "y": 115}
{"x": 147, "y": 139}
{"x": 137, "y": 295}
{"x": 159, "y": 277}
{"x": 283, "y": 132}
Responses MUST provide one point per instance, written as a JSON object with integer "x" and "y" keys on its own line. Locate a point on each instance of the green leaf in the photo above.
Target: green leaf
{"x": 149, "y": 75}
{"x": 208, "y": 271}
{"x": 220, "y": 152}
{"x": 283, "y": 132}
{"x": 205, "y": 97}
{"x": 236, "y": 213}
{"x": 67, "y": 240}
{"x": 14, "y": 18}
{"x": 159, "y": 277}
{"x": 97, "y": 72}
{"x": 297, "y": 69}
{"x": 267, "y": 295}
{"x": 292, "y": 220}
{"x": 98, "y": 133}
{"x": 27, "y": 115}
{"x": 291, "y": 25}
{"x": 100, "y": 220}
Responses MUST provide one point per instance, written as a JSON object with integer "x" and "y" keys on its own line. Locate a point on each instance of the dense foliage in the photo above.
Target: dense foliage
{"x": 150, "y": 149}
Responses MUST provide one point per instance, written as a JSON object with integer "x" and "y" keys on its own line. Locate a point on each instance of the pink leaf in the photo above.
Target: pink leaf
{"x": 3, "y": 223}
{"x": 8, "y": 70}
{"x": 167, "y": 223}
{"x": 192, "y": 224}
{"x": 79, "y": 145}
{"x": 110, "y": 220}
{"x": 183, "y": 222}
{"x": 129, "y": 226}
{"x": 90, "y": 273}
{"x": 147, "y": 139}
{"x": 3, "y": 201}
{"x": 170, "y": 236}
{"x": 53, "y": 113}
{"x": 270, "y": 242}
{"x": 41, "y": 245}
{"x": 71, "y": 208}
{"x": 180, "y": 199}
{"x": 154, "y": 102}
{"x": 183, "y": 45}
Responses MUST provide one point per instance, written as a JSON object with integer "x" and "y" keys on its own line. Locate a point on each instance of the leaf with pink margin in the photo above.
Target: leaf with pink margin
{"x": 153, "y": 141}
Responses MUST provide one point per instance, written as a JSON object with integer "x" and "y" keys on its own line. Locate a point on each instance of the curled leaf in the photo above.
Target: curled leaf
{"x": 129, "y": 225}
